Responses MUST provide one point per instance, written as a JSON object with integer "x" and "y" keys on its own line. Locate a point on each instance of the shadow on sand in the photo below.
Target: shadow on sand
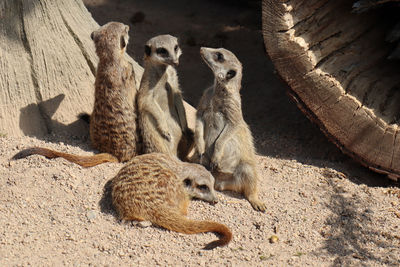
{"x": 352, "y": 230}
{"x": 57, "y": 131}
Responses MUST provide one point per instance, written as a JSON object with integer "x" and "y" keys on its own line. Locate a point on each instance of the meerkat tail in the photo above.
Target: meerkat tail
{"x": 84, "y": 161}
{"x": 174, "y": 221}
{"x": 84, "y": 117}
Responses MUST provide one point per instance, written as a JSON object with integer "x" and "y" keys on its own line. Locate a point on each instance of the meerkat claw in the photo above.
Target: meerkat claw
{"x": 213, "y": 166}
{"x": 258, "y": 206}
{"x": 167, "y": 136}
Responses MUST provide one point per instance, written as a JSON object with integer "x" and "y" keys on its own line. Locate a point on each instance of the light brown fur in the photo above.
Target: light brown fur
{"x": 113, "y": 120}
{"x": 151, "y": 187}
{"x": 162, "y": 117}
{"x": 223, "y": 140}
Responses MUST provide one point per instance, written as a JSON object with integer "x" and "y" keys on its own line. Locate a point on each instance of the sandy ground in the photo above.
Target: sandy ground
{"x": 324, "y": 208}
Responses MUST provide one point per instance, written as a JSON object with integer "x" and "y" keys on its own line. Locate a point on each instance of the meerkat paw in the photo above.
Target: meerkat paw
{"x": 258, "y": 205}
{"x": 200, "y": 158}
{"x": 214, "y": 166}
{"x": 219, "y": 185}
{"x": 166, "y": 135}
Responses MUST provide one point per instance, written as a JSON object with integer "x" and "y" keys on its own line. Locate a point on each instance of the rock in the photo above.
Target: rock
{"x": 144, "y": 224}
{"x": 91, "y": 215}
{"x": 273, "y": 239}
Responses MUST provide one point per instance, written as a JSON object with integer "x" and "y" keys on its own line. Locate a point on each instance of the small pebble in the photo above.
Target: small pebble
{"x": 144, "y": 224}
{"x": 273, "y": 239}
{"x": 91, "y": 215}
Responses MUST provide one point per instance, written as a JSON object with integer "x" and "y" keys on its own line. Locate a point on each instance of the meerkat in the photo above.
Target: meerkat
{"x": 223, "y": 140}
{"x": 162, "y": 116}
{"x": 113, "y": 120}
{"x": 151, "y": 187}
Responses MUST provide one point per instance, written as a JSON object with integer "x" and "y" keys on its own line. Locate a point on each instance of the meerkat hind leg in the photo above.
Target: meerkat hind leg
{"x": 227, "y": 185}
{"x": 133, "y": 218}
{"x": 243, "y": 180}
{"x": 248, "y": 176}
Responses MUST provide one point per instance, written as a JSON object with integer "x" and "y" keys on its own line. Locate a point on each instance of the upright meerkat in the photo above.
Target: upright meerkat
{"x": 162, "y": 116}
{"x": 151, "y": 187}
{"x": 223, "y": 140}
{"x": 113, "y": 120}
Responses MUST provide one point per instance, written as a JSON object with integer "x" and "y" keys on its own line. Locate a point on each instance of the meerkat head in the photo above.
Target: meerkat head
{"x": 111, "y": 39}
{"x": 163, "y": 49}
{"x": 198, "y": 182}
{"x": 226, "y": 67}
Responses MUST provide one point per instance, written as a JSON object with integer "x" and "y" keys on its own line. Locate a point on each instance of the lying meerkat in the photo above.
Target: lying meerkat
{"x": 223, "y": 140}
{"x": 162, "y": 117}
{"x": 113, "y": 120}
{"x": 151, "y": 187}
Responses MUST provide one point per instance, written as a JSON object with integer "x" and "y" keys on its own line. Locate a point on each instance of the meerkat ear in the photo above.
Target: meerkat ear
{"x": 126, "y": 28}
{"x": 92, "y": 36}
{"x": 230, "y": 74}
{"x": 147, "y": 50}
{"x": 123, "y": 42}
{"x": 187, "y": 182}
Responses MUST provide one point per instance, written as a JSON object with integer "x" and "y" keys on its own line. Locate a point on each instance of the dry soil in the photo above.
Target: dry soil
{"x": 325, "y": 209}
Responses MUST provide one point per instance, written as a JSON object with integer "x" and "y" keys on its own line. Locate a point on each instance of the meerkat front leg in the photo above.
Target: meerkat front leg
{"x": 199, "y": 138}
{"x": 180, "y": 110}
{"x": 226, "y": 134}
{"x": 154, "y": 109}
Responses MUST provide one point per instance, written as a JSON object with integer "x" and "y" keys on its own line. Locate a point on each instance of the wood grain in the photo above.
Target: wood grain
{"x": 335, "y": 64}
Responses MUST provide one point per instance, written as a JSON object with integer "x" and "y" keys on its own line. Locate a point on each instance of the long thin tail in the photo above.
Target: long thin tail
{"x": 84, "y": 161}
{"x": 174, "y": 221}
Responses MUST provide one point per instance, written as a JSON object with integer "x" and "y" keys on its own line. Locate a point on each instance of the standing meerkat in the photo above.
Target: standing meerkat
{"x": 151, "y": 187}
{"x": 162, "y": 116}
{"x": 113, "y": 120}
{"x": 223, "y": 140}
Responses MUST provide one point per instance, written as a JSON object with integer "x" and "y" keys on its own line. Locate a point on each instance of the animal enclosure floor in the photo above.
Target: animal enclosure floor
{"x": 50, "y": 214}
{"x": 324, "y": 208}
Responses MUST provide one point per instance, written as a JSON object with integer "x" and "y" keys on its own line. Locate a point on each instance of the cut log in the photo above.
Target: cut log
{"x": 335, "y": 63}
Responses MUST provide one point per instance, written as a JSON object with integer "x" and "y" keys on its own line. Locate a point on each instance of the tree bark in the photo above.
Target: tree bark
{"x": 335, "y": 64}
{"x": 47, "y": 66}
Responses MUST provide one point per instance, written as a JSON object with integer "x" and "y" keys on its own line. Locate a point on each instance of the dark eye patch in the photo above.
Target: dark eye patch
{"x": 147, "y": 50}
{"x": 203, "y": 188}
{"x": 230, "y": 74}
{"x": 187, "y": 182}
{"x": 162, "y": 52}
{"x": 220, "y": 57}
{"x": 123, "y": 42}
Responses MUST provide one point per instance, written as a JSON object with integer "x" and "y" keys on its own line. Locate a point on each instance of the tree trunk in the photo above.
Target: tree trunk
{"x": 48, "y": 66}
{"x": 335, "y": 63}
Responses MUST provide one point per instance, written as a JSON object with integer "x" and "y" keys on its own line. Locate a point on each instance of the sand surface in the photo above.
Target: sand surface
{"x": 324, "y": 208}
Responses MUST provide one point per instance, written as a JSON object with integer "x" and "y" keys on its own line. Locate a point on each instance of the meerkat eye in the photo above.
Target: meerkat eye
{"x": 147, "y": 50}
{"x": 123, "y": 42}
{"x": 162, "y": 52}
{"x": 187, "y": 182}
{"x": 176, "y": 48}
{"x": 203, "y": 188}
{"x": 230, "y": 74}
{"x": 220, "y": 57}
